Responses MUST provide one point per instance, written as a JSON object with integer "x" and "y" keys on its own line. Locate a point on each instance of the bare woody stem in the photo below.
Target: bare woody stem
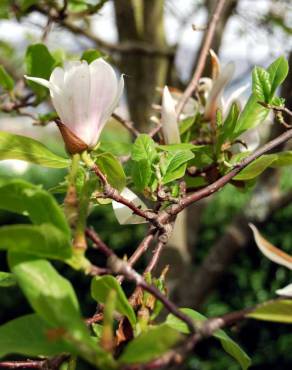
{"x": 218, "y": 184}
{"x": 112, "y": 193}
{"x": 203, "y": 56}
{"x": 121, "y": 267}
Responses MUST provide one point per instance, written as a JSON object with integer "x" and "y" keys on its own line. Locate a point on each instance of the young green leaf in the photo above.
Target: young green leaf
{"x": 39, "y": 63}
{"x": 43, "y": 240}
{"x": 100, "y": 288}
{"x": 29, "y": 336}
{"x": 227, "y": 343}
{"x": 276, "y": 311}
{"x": 144, "y": 148}
{"x": 261, "y": 85}
{"x": 150, "y": 345}
{"x": 6, "y": 279}
{"x": 29, "y": 150}
{"x": 141, "y": 174}
{"x": 91, "y": 54}
{"x": 6, "y": 81}
{"x": 253, "y": 113}
{"x": 173, "y": 166}
{"x": 278, "y": 71}
{"x": 176, "y": 147}
{"x": 113, "y": 170}
{"x": 229, "y": 125}
{"x": 256, "y": 167}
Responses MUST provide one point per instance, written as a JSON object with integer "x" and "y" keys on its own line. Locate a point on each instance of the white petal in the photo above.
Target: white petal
{"x": 217, "y": 88}
{"x": 169, "y": 119}
{"x": 57, "y": 78}
{"x": 104, "y": 91}
{"x": 40, "y": 81}
{"x": 270, "y": 251}
{"x": 74, "y": 101}
{"x": 235, "y": 95}
{"x": 286, "y": 291}
{"x": 124, "y": 214}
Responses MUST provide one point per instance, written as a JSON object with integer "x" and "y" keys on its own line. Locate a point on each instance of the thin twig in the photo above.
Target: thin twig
{"x": 127, "y": 124}
{"x": 218, "y": 184}
{"x": 121, "y": 267}
{"x": 203, "y": 56}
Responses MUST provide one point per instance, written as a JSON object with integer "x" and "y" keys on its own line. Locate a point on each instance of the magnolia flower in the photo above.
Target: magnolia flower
{"x": 169, "y": 119}
{"x": 275, "y": 255}
{"x": 84, "y": 97}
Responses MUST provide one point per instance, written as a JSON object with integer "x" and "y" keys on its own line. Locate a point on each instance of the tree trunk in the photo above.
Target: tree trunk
{"x": 142, "y": 21}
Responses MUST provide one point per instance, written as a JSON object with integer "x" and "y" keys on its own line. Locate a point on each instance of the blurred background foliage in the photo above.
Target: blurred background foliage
{"x": 250, "y": 32}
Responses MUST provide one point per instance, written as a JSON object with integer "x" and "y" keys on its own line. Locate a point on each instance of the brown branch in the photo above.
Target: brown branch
{"x": 112, "y": 193}
{"x": 218, "y": 184}
{"x": 29, "y": 364}
{"x": 203, "y": 56}
{"x": 156, "y": 256}
{"x": 128, "y": 47}
{"x": 121, "y": 267}
{"x": 127, "y": 124}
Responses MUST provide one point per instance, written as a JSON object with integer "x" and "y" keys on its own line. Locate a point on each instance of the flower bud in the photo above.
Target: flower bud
{"x": 84, "y": 97}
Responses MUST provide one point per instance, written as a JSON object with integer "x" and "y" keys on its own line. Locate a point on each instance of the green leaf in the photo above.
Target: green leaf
{"x": 100, "y": 288}
{"x": 253, "y": 113}
{"x": 186, "y": 124}
{"x": 141, "y": 174}
{"x": 278, "y": 71}
{"x": 117, "y": 148}
{"x": 150, "y": 345}
{"x": 229, "y": 125}
{"x": 113, "y": 170}
{"x": 54, "y": 300}
{"x": 40, "y": 240}
{"x": 282, "y": 159}
{"x": 256, "y": 167}
{"x": 277, "y": 311}
{"x": 227, "y": 343}
{"x": 144, "y": 148}
{"x": 29, "y": 335}
{"x": 173, "y": 166}
{"x": 261, "y": 85}
{"x": 176, "y": 147}
{"x": 91, "y": 54}
{"x": 40, "y": 206}
{"x": 6, "y": 279}
{"x": 39, "y": 63}
{"x": 6, "y": 81}
{"x": 29, "y": 150}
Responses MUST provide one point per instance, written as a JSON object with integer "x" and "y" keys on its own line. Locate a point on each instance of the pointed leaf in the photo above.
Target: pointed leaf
{"x": 6, "y": 80}
{"x": 173, "y": 166}
{"x": 113, "y": 170}
{"x": 100, "y": 288}
{"x": 40, "y": 206}
{"x": 150, "y": 345}
{"x": 277, "y": 311}
{"x": 43, "y": 240}
{"x": 141, "y": 173}
{"x": 256, "y": 167}
{"x": 261, "y": 85}
{"x": 6, "y": 279}
{"x": 227, "y": 343}
{"x": 144, "y": 148}
{"x": 278, "y": 71}
{"x": 29, "y": 150}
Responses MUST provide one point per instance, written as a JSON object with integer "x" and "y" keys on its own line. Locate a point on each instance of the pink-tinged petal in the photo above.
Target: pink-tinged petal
{"x": 169, "y": 119}
{"x": 286, "y": 291}
{"x": 75, "y": 101}
{"x": 270, "y": 251}
{"x": 103, "y": 93}
{"x": 123, "y": 214}
{"x": 40, "y": 81}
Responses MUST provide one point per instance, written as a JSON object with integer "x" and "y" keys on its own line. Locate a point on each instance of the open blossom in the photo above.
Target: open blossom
{"x": 84, "y": 97}
{"x": 275, "y": 255}
{"x": 169, "y": 119}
